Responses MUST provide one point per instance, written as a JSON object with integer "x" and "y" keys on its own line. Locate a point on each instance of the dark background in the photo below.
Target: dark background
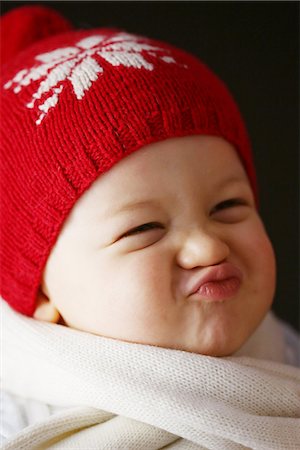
{"x": 254, "y": 48}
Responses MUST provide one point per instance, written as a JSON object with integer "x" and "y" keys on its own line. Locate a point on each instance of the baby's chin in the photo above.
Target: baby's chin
{"x": 221, "y": 343}
{"x": 212, "y": 348}
{"x": 210, "y": 341}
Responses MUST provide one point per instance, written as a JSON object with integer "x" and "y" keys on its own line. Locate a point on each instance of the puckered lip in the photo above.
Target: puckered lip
{"x": 220, "y": 272}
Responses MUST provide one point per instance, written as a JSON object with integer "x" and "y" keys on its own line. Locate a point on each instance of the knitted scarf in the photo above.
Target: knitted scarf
{"x": 131, "y": 396}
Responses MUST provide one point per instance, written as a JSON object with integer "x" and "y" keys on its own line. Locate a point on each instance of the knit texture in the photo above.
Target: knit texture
{"x": 137, "y": 396}
{"x": 72, "y": 106}
{"x": 25, "y": 25}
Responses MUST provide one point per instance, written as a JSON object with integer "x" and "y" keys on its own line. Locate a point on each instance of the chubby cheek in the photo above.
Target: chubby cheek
{"x": 263, "y": 263}
{"x": 260, "y": 275}
{"x": 147, "y": 281}
{"x": 125, "y": 298}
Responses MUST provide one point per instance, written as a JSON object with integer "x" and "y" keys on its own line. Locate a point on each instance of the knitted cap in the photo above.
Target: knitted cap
{"x": 73, "y": 105}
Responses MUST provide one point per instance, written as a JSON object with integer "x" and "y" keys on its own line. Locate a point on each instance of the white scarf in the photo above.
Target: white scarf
{"x": 132, "y": 396}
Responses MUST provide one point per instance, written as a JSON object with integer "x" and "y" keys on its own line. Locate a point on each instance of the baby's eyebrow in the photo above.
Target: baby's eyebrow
{"x": 130, "y": 206}
{"x": 232, "y": 179}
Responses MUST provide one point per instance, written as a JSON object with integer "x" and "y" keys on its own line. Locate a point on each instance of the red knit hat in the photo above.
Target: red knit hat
{"x": 73, "y": 105}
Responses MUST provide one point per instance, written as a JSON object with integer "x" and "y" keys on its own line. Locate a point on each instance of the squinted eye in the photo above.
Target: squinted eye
{"x": 142, "y": 228}
{"x": 230, "y": 203}
{"x": 233, "y": 210}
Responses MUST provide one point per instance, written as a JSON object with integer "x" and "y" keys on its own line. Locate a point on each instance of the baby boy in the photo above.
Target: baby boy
{"x": 129, "y": 199}
{"x": 134, "y": 180}
{"x": 167, "y": 249}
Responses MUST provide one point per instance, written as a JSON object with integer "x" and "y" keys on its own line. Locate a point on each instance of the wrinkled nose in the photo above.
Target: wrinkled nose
{"x": 202, "y": 249}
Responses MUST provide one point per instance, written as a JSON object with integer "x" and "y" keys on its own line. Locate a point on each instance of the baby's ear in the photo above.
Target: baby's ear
{"x": 45, "y": 310}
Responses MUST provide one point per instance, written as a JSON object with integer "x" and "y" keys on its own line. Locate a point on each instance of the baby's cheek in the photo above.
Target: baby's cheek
{"x": 256, "y": 243}
{"x": 262, "y": 268}
{"x": 265, "y": 255}
{"x": 147, "y": 277}
{"x": 148, "y": 282}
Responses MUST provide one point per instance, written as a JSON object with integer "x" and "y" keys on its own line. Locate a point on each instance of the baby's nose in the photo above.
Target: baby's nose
{"x": 201, "y": 249}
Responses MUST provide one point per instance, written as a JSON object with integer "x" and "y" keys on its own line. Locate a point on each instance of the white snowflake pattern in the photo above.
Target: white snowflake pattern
{"x": 77, "y": 64}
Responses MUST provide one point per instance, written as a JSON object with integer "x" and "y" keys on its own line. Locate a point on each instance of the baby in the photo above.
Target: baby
{"x": 130, "y": 200}
{"x": 167, "y": 249}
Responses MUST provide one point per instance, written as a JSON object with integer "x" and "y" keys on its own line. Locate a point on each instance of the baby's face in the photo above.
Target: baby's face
{"x": 137, "y": 257}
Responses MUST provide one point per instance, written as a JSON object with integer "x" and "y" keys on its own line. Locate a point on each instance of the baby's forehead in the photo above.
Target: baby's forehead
{"x": 169, "y": 171}
{"x": 206, "y": 157}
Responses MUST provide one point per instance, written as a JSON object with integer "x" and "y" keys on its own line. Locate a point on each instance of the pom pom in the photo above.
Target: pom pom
{"x": 25, "y": 25}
